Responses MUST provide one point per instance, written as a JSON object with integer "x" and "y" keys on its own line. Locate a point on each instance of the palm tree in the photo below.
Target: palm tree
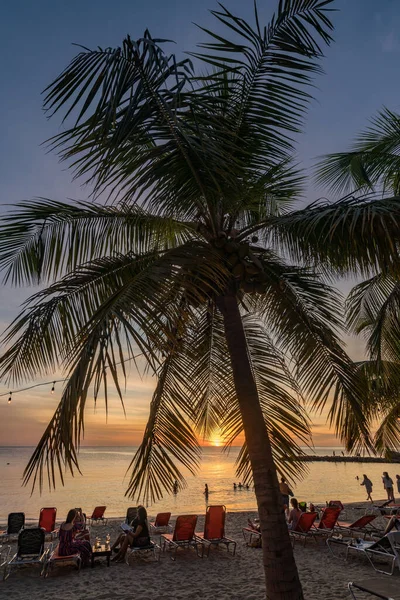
{"x": 373, "y": 164}
{"x": 200, "y": 263}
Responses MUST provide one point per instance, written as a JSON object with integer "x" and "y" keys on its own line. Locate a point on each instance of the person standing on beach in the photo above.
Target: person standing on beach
{"x": 368, "y": 487}
{"x": 286, "y": 492}
{"x": 206, "y": 492}
{"x": 388, "y": 485}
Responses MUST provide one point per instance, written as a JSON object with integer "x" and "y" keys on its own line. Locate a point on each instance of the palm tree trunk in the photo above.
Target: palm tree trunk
{"x": 282, "y": 579}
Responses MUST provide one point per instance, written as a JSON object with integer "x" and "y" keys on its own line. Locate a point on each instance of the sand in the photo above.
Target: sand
{"x": 220, "y": 576}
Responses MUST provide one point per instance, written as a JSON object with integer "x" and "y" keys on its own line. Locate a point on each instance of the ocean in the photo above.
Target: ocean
{"x": 104, "y": 482}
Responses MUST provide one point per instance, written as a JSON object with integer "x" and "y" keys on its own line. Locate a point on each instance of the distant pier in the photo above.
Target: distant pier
{"x": 350, "y": 459}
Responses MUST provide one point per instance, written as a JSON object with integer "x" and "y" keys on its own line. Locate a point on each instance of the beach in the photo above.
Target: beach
{"x": 221, "y": 576}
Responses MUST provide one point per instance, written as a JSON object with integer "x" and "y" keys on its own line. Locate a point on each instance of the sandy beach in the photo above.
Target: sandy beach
{"x": 220, "y": 576}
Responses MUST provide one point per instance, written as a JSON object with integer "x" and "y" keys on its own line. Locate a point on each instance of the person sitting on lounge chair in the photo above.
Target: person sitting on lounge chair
{"x": 69, "y": 541}
{"x": 294, "y": 514}
{"x": 82, "y": 531}
{"x": 139, "y": 537}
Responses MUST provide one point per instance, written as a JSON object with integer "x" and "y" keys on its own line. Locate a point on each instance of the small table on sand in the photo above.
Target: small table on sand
{"x": 101, "y": 551}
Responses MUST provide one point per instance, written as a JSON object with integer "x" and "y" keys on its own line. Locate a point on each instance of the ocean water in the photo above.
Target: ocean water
{"x": 104, "y": 482}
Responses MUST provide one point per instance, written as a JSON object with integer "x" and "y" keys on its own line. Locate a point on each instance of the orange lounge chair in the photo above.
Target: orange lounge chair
{"x": 360, "y": 526}
{"x": 55, "y": 560}
{"x": 161, "y": 523}
{"x": 303, "y": 527}
{"x": 214, "y": 530}
{"x": 183, "y": 535}
{"x": 328, "y": 521}
{"x": 250, "y": 532}
{"x": 15, "y": 524}
{"x": 98, "y": 515}
{"x": 47, "y": 521}
{"x": 335, "y": 504}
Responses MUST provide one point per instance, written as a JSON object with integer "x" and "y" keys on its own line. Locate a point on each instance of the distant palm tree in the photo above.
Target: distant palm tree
{"x": 201, "y": 264}
{"x": 373, "y": 164}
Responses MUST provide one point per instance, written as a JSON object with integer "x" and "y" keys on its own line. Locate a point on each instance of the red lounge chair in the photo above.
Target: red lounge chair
{"x": 55, "y": 560}
{"x": 214, "y": 530}
{"x": 183, "y": 535}
{"x": 98, "y": 515}
{"x": 303, "y": 527}
{"x": 335, "y": 504}
{"x": 360, "y": 526}
{"x": 328, "y": 521}
{"x": 161, "y": 523}
{"x": 47, "y": 521}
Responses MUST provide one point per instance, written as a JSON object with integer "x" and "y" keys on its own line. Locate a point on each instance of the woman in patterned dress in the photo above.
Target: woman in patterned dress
{"x": 69, "y": 542}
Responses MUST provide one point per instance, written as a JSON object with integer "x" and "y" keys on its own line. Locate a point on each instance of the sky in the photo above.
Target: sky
{"x": 361, "y": 75}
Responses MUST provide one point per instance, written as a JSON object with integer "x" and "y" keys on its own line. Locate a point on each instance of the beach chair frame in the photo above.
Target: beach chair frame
{"x": 54, "y": 560}
{"x": 206, "y": 542}
{"x": 372, "y": 549}
{"x": 138, "y": 551}
{"x": 5, "y": 552}
{"x": 172, "y": 543}
{"x": 362, "y": 588}
{"x": 249, "y": 533}
{"x": 24, "y": 555}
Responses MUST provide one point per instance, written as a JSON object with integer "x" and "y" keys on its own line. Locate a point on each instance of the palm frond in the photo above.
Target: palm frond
{"x": 168, "y": 438}
{"x": 43, "y": 239}
{"x": 304, "y": 316}
{"x": 271, "y": 69}
{"x": 373, "y": 161}
{"x": 374, "y": 310}
{"x": 353, "y": 235}
{"x": 281, "y": 402}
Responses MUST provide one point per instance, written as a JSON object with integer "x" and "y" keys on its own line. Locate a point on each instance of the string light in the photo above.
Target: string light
{"x": 36, "y": 385}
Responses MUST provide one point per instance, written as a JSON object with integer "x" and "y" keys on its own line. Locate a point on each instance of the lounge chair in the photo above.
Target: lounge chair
{"x": 251, "y": 532}
{"x": 4, "y": 556}
{"x": 386, "y": 589}
{"x": 161, "y": 523}
{"x": 303, "y": 527}
{"x": 151, "y": 548}
{"x": 47, "y": 521}
{"x": 98, "y": 515}
{"x": 359, "y": 527}
{"x": 327, "y": 522}
{"x": 335, "y": 504}
{"x": 183, "y": 535}
{"x": 31, "y": 551}
{"x": 387, "y": 547}
{"x": 55, "y": 560}
{"x": 214, "y": 530}
{"x": 15, "y": 524}
{"x": 131, "y": 514}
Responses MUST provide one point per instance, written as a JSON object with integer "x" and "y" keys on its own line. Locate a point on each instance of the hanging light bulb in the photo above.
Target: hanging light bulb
{"x": 9, "y": 399}
{"x": 52, "y": 389}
